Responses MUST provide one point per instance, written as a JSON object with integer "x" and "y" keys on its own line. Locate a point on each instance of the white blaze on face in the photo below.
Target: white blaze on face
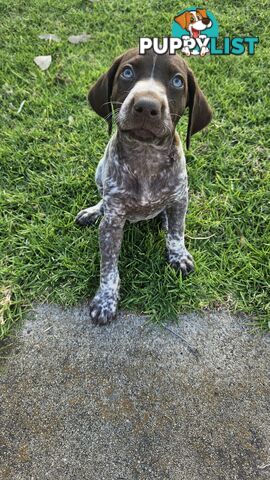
{"x": 149, "y": 87}
{"x": 154, "y": 64}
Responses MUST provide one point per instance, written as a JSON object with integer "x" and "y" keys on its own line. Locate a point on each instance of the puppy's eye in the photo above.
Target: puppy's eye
{"x": 192, "y": 20}
{"x": 127, "y": 73}
{"x": 177, "y": 81}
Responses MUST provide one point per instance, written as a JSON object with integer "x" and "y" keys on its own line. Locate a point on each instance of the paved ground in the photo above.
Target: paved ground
{"x": 133, "y": 401}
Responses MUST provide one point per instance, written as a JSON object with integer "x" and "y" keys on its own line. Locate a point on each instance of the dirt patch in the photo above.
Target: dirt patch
{"x": 132, "y": 401}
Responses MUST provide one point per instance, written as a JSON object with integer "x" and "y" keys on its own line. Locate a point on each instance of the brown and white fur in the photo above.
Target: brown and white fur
{"x": 143, "y": 170}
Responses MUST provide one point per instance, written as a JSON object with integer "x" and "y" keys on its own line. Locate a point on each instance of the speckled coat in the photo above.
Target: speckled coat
{"x": 143, "y": 170}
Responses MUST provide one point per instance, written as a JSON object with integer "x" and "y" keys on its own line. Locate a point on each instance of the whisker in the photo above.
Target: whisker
{"x": 108, "y": 116}
{"x": 111, "y": 102}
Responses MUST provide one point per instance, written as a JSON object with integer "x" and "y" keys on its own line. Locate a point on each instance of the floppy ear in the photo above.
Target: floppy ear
{"x": 99, "y": 95}
{"x": 182, "y": 20}
{"x": 200, "y": 113}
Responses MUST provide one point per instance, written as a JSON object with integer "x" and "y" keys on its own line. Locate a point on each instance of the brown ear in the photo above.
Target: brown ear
{"x": 200, "y": 113}
{"x": 99, "y": 95}
{"x": 182, "y": 20}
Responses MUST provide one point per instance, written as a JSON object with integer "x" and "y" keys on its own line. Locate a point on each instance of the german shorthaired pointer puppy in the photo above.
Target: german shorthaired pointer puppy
{"x": 143, "y": 170}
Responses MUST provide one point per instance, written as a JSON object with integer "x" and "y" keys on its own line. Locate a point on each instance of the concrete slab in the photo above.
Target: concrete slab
{"x": 134, "y": 401}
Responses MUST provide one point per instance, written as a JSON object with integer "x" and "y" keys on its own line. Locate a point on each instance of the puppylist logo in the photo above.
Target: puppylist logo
{"x": 196, "y": 27}
{"x": 195, "y": 32}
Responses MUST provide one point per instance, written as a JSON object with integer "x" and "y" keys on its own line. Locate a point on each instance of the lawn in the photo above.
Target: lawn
{"x": 51, "y": 145}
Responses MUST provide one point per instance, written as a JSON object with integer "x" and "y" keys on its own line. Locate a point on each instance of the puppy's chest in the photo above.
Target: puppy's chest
{"x": 147, "y": 189}
{"x": 149, "y": 197}
{"x": 144, "y": 193}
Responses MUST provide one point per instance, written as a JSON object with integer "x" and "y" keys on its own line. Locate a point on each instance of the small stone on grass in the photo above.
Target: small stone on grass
{"x": 43, "y": 61}
{"x": 75, "y": 39}
{"x": 49, "y": 36}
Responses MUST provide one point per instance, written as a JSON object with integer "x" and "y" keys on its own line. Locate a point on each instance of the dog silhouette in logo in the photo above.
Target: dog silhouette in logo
{"x": 195, "y": 22}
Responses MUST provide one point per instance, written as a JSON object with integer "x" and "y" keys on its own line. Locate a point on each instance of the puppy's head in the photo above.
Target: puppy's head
{"x": 149, "y": 94}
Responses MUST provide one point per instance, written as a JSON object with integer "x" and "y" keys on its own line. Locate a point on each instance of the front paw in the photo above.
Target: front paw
{"x": 183, "y": 263}
{"x": 103, "y": 308}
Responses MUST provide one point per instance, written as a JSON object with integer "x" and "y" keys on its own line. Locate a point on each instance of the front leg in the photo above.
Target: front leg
{"x": 178, "y": 256}
{"x": 104, "y": 305}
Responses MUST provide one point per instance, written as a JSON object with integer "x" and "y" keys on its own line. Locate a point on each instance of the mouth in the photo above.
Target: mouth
{"x": 141, "y": 134}
{"x": 195, "y": 33}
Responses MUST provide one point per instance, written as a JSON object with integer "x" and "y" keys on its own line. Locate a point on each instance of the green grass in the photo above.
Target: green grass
{"x": 49, "y": 152}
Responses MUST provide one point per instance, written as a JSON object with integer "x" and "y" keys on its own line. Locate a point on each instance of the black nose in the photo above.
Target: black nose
{"x": 147, "y": 107}
{"x": 206, "y": 20}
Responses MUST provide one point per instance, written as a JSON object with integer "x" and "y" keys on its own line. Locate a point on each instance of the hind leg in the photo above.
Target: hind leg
{"x": 164, "y": 220}
{"x": 89, "y": 215}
